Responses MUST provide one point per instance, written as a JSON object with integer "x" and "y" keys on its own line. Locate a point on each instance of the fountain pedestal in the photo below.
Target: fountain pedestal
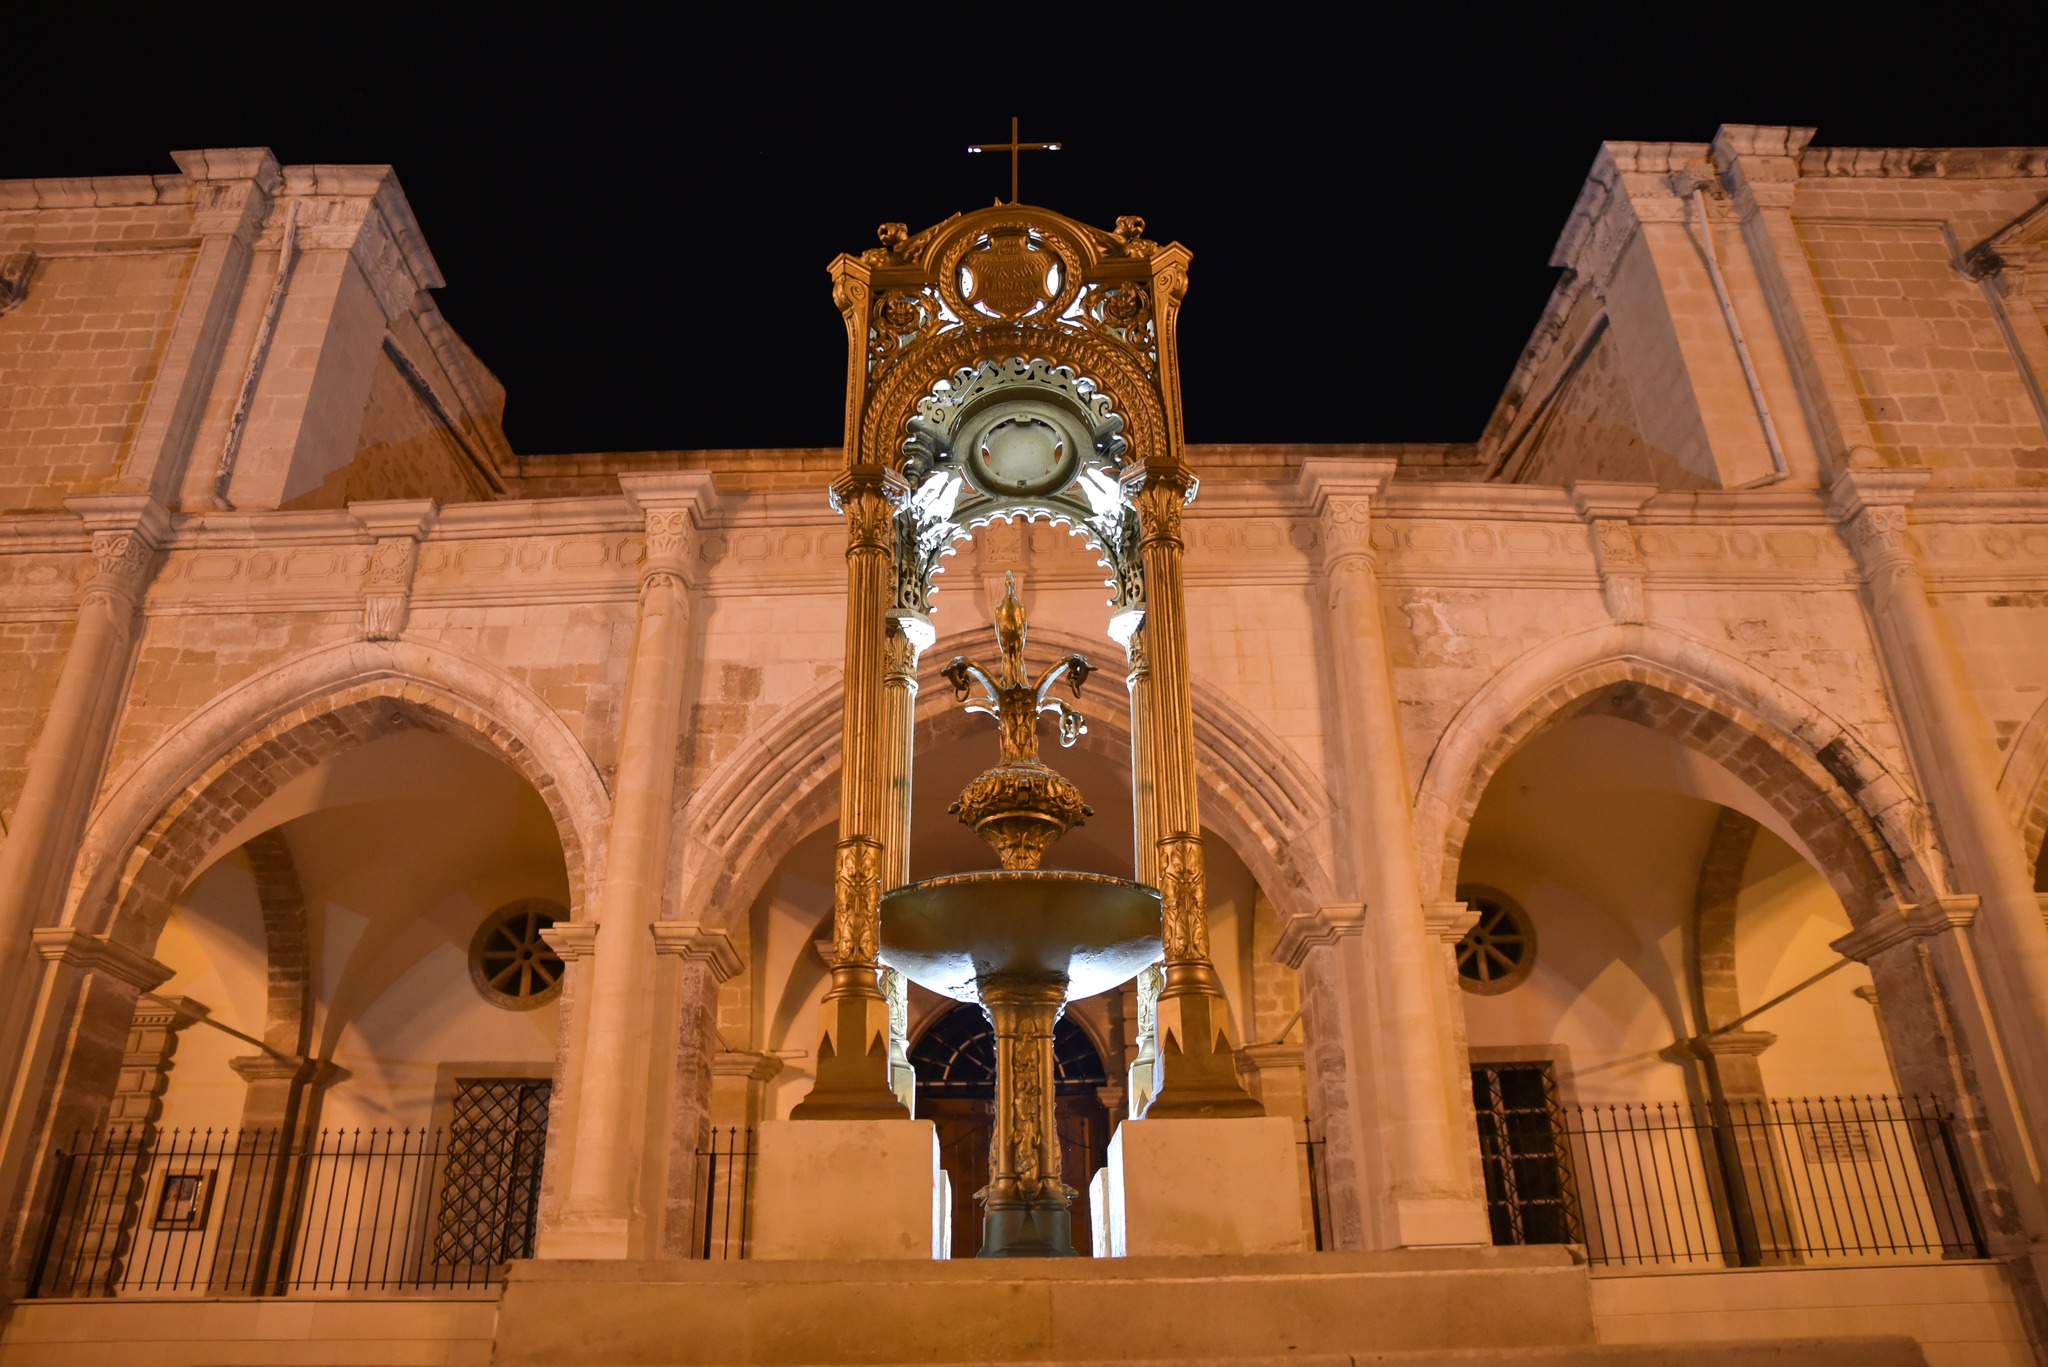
{"x": 1200, "y": 1188}
{"x": 1021, "y": 941}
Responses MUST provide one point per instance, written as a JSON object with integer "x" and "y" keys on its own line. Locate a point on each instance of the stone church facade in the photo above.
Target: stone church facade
{"x": 1624, "y": 831}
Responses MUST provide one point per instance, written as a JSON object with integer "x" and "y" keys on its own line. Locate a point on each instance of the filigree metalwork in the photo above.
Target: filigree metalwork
{"x": 945, "y": 461}
{"x": 900, "y": 319}
{"x": 1021, "y": 805}
{"x": 1122, "y": 310}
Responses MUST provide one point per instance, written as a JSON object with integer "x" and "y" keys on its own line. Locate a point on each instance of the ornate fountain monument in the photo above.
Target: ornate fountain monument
{"x": 1024, "y": 939}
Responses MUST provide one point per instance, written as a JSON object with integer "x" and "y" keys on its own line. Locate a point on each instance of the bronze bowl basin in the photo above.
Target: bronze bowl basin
{"x": 943, "y": 932}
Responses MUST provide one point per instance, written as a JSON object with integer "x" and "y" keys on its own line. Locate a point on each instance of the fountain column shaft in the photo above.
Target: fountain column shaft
{"x": 1025, "y": 1209}
{"x": 853, "y": 1057}
{"x": 1197, "y": 1073}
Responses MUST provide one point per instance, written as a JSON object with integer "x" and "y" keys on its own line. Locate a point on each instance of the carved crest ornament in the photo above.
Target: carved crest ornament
{"x": 1011, "y": 368}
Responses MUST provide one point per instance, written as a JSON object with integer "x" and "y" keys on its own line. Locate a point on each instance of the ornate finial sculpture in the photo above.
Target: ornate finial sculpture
{"x": 1020, "y": 806}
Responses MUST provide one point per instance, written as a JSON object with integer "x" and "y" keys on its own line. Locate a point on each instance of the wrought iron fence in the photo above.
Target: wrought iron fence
{"x": 137, "y": 1211}
{"x": 1318, "y": 1183}
{"x": 1744, "y": 1183}
{"x": 722, "y": 1191}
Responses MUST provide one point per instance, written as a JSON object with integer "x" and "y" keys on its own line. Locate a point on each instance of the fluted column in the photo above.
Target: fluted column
{"x": 1143, "y": 1079}
{"x": 1196, "y": 1073}
{"x": 1950, "y": 742}
{"x": 904, "y": 640}
{"x": 600, "y": 1207}
{"x": 1429, "y": 1195}
{"x": 853, "y": 1080}
{"x": 127, "y": 532}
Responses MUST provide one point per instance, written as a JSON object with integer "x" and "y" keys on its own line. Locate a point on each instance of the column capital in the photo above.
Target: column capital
{"x": 67, "y": 945}
{"x": 713, "y": 948}
{"x": 1925, "y": 921}
{"x": 1341, "y": 494}
{"x": 673, "y": 508}
{"x": 1325, "y": 925}
{"x": 1870, "y": 508}
{"x": 127, "y": 532}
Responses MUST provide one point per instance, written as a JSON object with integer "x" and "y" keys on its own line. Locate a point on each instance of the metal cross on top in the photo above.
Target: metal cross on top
{"x": 1013, "y": 147}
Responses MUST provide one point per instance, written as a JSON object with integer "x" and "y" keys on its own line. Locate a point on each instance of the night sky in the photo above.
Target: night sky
{"x": 634, "y": 220}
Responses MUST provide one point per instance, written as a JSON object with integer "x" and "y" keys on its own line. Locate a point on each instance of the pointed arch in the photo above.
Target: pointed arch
{"x": 781, "y": 783}
{"x": 1860, "y": 821}
{"x": 2023, "y": 784}
{"x": 169, "y": 809}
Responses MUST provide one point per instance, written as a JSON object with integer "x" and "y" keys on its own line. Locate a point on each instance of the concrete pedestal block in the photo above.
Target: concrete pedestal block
{"x": 848, "y": 1190}
{"x": 1201, "y": 1187}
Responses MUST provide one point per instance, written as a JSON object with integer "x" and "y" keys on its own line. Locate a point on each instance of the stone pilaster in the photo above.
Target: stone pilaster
{"x": 1430, "y": 1196}
{"x": 1938, "y": 1030}
{"x": 127, "y": 532}
{"x": 1950, "y": 745}
{"x": 612, "y": 1055}
{"x": 706, "y": 958}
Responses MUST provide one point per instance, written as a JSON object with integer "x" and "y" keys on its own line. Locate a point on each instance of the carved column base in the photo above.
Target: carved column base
{"x": 854, "y": 1080}
{"x": 1197, "y": 1070}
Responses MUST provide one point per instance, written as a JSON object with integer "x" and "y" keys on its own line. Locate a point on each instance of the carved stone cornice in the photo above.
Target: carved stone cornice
{"x": 167, "y": 1013}
{"x": 1759, "y": 163}
{"x": 292, "y": 1068}
{"x": 572, "y": 940}
{"x": 1925, "y": 921}
{"x": 700, "y": 944}
{"x": 1448, "y": 921}
{"x": 1301, "y": 932}
{"x": 90, "y": 953}
{"x": 1731, "y": 1043}
{"x": 746, "y": 1065}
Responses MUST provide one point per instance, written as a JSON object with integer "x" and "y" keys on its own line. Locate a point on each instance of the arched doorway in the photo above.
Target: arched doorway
{"x": 955, "y": 1059}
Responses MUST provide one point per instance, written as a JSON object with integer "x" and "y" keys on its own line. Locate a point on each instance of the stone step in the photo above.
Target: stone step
{"x": 1889, "y": 1351}
{"x": 1144, "y": 1310}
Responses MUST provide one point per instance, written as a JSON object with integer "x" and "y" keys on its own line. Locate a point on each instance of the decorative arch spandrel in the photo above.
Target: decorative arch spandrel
{"x": 1862, "y": 823}
{"x": 168, "y": 811}
{"x": 782, "y": 783}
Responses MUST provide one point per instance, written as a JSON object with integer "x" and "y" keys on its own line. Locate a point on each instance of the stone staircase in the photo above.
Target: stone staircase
{"x": 1414, "y": 1308}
